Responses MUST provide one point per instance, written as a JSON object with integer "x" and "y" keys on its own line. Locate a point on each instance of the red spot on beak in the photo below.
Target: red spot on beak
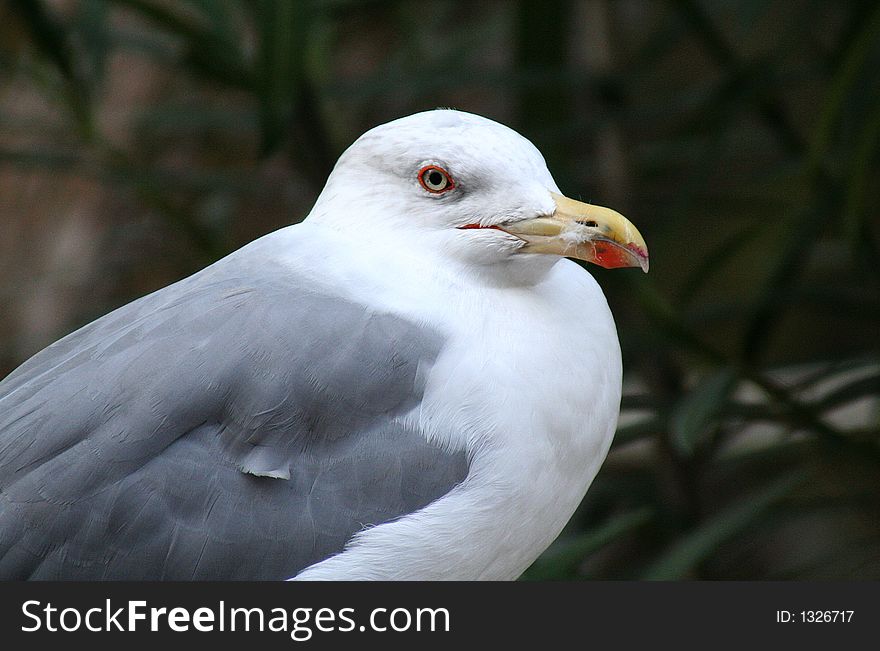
{"x": 613, "y": 256}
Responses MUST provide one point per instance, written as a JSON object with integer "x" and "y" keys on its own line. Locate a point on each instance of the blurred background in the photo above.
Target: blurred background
{"x": 143, "y": 139}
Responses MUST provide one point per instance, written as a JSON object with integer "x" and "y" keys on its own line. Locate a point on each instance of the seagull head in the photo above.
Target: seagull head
{"x": 471, "y": 188}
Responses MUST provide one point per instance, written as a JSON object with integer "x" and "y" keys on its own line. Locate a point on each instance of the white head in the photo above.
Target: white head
{"x": 471, "y": 189}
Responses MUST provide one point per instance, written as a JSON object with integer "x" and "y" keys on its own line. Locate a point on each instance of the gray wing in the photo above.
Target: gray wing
{"x": 234, "y": 425}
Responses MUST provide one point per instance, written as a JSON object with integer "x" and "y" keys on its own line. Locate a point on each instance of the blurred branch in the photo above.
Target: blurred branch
{"x": 857, "y": 216}
{"x": 564, "y": 558}
{"x": 53, "y": 41}
{"x": 282, "y": 28}
{"x": 547, "y": 103}
{"x": 683, "y": 557}
{"x": 729, "y": 60}
{"x": 209, "y": 49}
{"x": 803, "y": 226}
{"x": 667, "y": 320}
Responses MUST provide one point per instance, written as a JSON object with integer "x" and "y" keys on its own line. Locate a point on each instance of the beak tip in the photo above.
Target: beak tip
{"x": 640, "y": 253}
{"x": 644, "y": 260}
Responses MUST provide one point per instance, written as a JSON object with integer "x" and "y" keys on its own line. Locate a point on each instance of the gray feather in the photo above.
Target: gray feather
{"x": 234, "y": 425}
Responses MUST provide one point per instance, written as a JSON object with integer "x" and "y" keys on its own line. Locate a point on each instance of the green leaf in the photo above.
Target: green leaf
{"x": 171, "y": 20}
{"x": 692, "y": 418}
{"x": 857, "y": 214}
{"x": 635, "y": 431}
{"x": 715, "y": 261}
{"x": 857, "y": 55}
{"x": 562, "y": 559}
{"x": 698, "y": 545}
{"x": 855, "y": 390}
{"x": 52, "y": 38}
{"x": 805, "y": 225}
{"x": 92, "y": 28}
{"x": 211, "y": 50}
{"x": 283, "y": 27}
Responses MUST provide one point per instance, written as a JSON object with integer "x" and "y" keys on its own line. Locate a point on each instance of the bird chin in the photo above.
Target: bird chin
{"x": 485, "y": 247}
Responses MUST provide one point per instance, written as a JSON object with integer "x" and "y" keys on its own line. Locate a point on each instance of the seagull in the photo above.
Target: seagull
{"x": 413, "y": 383}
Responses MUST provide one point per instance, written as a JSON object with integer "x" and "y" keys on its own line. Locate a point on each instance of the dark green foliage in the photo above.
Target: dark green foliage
{"x": 743, "y": 138}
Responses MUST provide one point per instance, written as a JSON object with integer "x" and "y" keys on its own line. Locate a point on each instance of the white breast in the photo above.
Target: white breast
{"x": 530, "y": 386}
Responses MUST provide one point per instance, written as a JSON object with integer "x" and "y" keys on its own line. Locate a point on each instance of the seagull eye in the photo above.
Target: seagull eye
{"x": 435, "y": 179}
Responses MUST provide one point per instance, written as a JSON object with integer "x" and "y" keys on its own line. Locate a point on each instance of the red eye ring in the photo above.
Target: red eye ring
{"x": 435, "y": 179}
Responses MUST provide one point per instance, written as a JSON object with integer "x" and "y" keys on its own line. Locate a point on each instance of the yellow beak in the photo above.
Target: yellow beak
{"x": 579, "y": 230}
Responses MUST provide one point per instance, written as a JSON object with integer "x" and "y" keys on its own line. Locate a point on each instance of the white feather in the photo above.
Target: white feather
{"x": 529, "y": 381}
